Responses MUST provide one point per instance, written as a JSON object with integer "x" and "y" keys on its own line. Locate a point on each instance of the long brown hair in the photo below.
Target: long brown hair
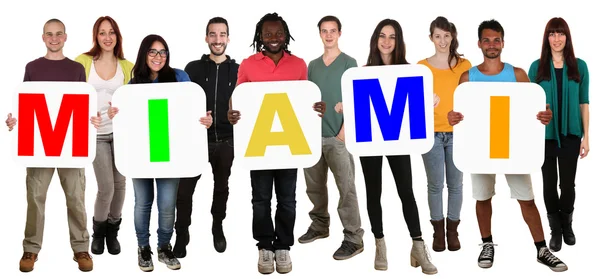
{"x": 447, "y": 26}
{"x": 399, "y": 53}
{"x": 557, "y": 25}
{"x": 96, "y": 49}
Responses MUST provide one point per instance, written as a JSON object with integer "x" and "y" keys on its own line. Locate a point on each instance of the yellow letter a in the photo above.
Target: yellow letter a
{"x": 291, "y": 135}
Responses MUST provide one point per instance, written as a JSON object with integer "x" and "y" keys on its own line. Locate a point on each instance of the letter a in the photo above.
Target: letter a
{"x": 291, "y": 135}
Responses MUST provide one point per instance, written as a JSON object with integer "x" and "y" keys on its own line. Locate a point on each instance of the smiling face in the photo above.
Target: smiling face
{"x": 387, "y": 40}
{"x": 491, "y": 43}
{"x": 107, "y": 37}
{"x": 54, "y": 36}
{"x": 156, "y": 58}
{"x": 557, "y": 41}
{"x": 441, "y": 39}
{"x": 217, "y": 38}
{"x": 330, "y": 34}
{"x": 273, "y": 36}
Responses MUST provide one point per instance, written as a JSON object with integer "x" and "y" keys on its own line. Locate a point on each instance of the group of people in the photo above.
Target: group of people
{"x": 563, "y": 77}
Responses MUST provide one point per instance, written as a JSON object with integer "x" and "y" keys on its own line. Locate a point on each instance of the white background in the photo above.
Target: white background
{"x": 248, "y": 99}
{"x": 526, "y": 134}
{"x": 187, "y": 137}
{"x": 183, "y": 26}
{"x": 388, "y": 81}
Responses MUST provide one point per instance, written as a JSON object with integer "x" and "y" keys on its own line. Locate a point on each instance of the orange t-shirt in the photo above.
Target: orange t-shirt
{"x": 444, "y": 84}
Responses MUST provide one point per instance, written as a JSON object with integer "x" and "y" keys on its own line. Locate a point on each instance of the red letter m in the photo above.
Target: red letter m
{"x": 33, "y": 106}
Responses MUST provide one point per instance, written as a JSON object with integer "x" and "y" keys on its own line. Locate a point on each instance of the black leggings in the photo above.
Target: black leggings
{"x": 401, "y": 170}
{"x": 567, "y": 156}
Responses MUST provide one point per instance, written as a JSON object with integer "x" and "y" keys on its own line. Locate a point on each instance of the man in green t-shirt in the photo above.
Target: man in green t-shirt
{"x": 326, "y": 72}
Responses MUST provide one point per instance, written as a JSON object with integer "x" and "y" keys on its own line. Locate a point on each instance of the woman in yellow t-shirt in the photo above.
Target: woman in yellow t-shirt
{"x": 446, "y": 66}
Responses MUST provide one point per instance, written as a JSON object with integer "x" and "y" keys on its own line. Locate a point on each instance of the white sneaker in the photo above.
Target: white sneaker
{"x": 265, "y": 261}
{"x": 283, "y": 261}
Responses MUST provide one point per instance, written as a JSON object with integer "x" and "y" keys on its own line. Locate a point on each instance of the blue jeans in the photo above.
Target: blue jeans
{"x": 438, "y": 159}
{"x": 166, "y": 197}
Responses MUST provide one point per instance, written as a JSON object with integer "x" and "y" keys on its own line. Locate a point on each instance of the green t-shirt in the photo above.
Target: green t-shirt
{"x": 329, "y": 81}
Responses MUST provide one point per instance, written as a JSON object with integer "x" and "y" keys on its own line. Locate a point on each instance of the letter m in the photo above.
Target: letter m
{"x": 73, "y": 106}
{"x": 367, "y": 91}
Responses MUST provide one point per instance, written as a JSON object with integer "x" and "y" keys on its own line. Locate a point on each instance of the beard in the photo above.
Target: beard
{"x": 491, "y": 56}
{"x": 218, "y": 53}
{"x": 273, "y": 51}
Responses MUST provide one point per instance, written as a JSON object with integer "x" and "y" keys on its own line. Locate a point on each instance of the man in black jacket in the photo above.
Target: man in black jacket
{"x": 217, "y": 75}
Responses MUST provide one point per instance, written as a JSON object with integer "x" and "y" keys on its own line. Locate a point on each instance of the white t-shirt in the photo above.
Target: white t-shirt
{"x": 105, "y": 90}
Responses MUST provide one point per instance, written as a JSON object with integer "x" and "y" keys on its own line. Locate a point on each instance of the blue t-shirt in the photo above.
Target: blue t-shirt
{"x": 180, "y": 75}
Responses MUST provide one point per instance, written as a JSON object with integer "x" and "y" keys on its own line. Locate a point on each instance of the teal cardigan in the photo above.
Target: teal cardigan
{"x": 573, "y": 94}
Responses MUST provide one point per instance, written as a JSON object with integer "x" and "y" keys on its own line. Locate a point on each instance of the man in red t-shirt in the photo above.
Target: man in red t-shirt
{"x": 273, "y": 62}
{"x": 54, "y": 66}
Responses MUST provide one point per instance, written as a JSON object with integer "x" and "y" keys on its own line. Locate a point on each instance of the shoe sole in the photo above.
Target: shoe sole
{"x": 414, "y": 263}
{"x": 485, "y": 265}
{"x": 556, "y": 269}
{"x": 284, "y": 269}
{"x": 147, "y": 269}
{"x": 265, "y": 269}
{"x": 382, "y": 268}
{"x": 304, "y": 241}
{"x": 172, "y": 267}
{"x": 349, "y": 256}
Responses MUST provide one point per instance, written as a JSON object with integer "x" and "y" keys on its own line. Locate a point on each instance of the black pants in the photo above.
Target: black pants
{"x": 402, "y": 172}
{"x": 567, "y": 156}
{"x": 280, "y": 237}
{"x": 220, "y": 156}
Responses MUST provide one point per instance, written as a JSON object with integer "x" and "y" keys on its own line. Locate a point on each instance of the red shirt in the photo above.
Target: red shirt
{"x": 259, "y": 67}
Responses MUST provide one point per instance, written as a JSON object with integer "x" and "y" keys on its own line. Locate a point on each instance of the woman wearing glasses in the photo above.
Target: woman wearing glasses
{"x": 152, "y": 66}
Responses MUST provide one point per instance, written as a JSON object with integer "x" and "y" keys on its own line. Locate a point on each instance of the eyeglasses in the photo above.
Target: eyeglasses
{"x": 154, "y": 52}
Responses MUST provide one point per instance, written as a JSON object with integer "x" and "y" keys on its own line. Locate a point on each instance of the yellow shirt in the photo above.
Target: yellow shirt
{"x": 444, "y": 84}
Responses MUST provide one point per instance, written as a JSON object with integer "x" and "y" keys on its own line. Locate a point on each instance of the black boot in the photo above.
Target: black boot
{"x": 568, "y": 235}
{"x": 219, "y": 240}
{"x": 555, "y": 231}
{"x": 182, "y": 240}
{"x": 112, "y": 244}
{"x": 98, "y": 237}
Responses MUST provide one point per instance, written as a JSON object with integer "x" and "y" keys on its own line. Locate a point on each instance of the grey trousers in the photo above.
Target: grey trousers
{"x": 336, "y": 157}
{"x": 111, "y": 183}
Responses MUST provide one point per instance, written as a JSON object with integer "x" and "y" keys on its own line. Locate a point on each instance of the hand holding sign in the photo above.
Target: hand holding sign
{"x": 11, "y": 122}
{"x": 96, "y": 120}
{"x": 545, "y": 116}
{"x": 112, "y": 111}
{"x": 207, "y": 120}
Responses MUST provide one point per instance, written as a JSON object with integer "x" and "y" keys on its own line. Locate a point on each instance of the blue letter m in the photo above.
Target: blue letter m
{"x": 368, "y": 90}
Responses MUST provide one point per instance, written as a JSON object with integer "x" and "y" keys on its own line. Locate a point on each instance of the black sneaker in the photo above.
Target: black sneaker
{"x": 546, "y": 258}
{"x": 312, "y": 235}
{"x": 348, "y": 250}
{"x": 486, "y": 257}
{"x": 166, "y": 256}
{"x": 145, "y": 259}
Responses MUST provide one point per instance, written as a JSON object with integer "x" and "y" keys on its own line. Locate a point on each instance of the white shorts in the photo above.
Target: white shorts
{"x": 484, "y": 186}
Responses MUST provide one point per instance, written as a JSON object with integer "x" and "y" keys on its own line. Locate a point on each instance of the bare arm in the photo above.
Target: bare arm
{"x": 521, "y": 75}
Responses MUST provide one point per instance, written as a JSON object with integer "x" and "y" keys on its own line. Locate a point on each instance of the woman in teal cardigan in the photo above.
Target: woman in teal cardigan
{"x": 565, "y": 80}
{"x": 107, "y": 70}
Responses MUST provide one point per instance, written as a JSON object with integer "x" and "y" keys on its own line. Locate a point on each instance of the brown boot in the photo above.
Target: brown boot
{"x": 452, "y": 235}
{"x": 439, "y": 241}
{"x": 27, "y": 262}
{"x": 84, "y": 260}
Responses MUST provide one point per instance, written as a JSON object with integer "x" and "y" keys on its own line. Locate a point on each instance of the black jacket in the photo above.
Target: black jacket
{"x": 218, "y": 82}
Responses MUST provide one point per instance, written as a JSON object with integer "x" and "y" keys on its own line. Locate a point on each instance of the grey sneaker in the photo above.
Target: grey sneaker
{"x": 348, "y": 250}
{"x": 166, "y": 256}
{"x": 283, "y": 262}
{"x": 312, "y": 235}
{"x": 265, "y": 261}
{"x": 145, "y": 259}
